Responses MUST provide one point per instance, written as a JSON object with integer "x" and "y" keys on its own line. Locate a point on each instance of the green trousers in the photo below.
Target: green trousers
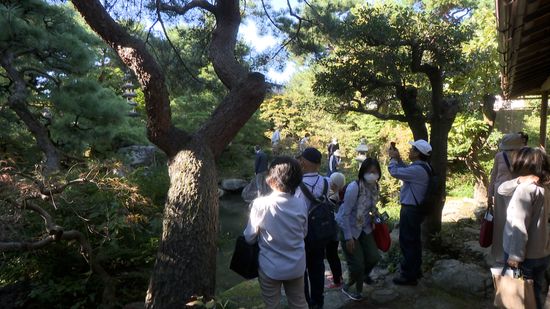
{"x": 362, "y": 260}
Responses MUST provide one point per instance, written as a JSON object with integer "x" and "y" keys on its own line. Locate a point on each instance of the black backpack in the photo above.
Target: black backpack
{"x": 320, "y": 224}
{"x": 431, "y": 198}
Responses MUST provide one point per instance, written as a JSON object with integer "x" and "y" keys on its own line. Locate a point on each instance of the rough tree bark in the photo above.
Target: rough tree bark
{"x": 185, "y": 265}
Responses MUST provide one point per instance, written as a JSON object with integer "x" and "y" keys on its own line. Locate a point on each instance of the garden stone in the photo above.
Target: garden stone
{"x": 139, "y": 155}
{"x": 233, "y": 184}
{"x": 473, "y": 245}
{"x": 457, "y": 277}
{"x": 383, "y": 296}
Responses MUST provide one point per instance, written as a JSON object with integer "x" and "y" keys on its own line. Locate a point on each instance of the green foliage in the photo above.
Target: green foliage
{"x": 460, "y": 184}
{"x": 86, "y": 115}
{"x": 373, "y": 53}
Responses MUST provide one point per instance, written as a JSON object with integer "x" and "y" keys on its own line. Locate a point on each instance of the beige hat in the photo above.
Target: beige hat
{"x": 511, "y": 141}
{"x": 337, "y": 153}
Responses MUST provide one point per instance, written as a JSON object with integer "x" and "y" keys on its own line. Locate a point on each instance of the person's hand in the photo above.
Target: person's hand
{"x": 512, "y": 263}
{"x": 528, "y": 179}
{"x": 394, "y": 153}
{"x": 350, "y": 245}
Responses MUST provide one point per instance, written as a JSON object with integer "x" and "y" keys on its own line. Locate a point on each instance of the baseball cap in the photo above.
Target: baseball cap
{"x": 312, "y": 155}
{"x": 422, "y": 146}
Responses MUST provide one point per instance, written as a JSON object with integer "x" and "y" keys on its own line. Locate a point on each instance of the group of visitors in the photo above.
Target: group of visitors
{"x": 521, "y": 207}
{"x": 279, "y": 223}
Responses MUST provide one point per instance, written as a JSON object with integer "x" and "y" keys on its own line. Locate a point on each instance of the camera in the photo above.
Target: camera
{"x": 381, "y": 217}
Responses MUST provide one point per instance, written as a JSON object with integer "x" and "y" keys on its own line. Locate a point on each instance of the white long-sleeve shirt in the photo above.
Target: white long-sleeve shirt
{"x": 279, "y": 223}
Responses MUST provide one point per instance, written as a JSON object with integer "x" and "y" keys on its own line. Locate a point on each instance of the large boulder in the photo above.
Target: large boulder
{"x": 233, "y": 184}
{"x": 139, "y": 155}
{"x": 462, "y": 279}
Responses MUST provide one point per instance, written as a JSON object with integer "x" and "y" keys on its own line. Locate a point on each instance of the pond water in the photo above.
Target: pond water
{"x": 233, "y": 218}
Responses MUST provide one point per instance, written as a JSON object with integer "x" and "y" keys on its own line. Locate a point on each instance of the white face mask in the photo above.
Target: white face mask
{"x": 371, "y": 177}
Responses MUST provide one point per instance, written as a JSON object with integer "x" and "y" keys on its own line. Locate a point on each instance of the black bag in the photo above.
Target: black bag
{"x": 245, "y": 258}
{"x": 321, "y": 225}
{"x": 431, "y": 197}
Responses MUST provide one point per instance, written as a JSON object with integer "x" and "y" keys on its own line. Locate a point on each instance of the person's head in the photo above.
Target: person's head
{"x": 284, "y": 174}
{"x": 370, "y": 171}
{"x": 420, "y": 150}
{"x": 337, "y": 181}
{"x": 257, "y": 148}
{"x": 334, "y": 140}
{"x": 511, "y": 142}
{"x": 531, "y": 161}
{"x": 306, "y": 135}
{"x": 310, "y": 160}
{"x": 524, "y": 137}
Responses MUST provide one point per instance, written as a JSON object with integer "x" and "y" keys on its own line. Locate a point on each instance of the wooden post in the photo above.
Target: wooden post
{"x": 543, "y": 119}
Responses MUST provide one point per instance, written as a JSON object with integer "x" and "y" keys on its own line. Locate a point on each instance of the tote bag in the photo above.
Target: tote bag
{"x": 245, "y": 258}
{"x": 382, "y": 237}
{"x": 486, "y": 230}
{"x": 512, "y": 292}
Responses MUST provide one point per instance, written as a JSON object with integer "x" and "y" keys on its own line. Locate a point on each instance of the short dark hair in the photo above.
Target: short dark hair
{"x": 524, "y": 136}
{"x": 422, "y": 156}
{"x": 284, "y": 174}
{"x": 367, "y": 163}
{"x": 531, "y": 161}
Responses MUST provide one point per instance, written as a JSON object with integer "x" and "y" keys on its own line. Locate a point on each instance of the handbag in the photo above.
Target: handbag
{"x": 245, "y": 258}
{"x": 486, "y": 230}
{"x": 382, "y": 237}
{"x": 512, "y": 291}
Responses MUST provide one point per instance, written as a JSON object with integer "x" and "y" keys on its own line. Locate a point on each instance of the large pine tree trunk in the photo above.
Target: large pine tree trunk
{"x": 439, "y": 135}
{"x": 186, "y": 260}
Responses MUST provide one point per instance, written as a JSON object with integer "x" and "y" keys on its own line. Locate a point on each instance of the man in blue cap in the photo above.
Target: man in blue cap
{"x": 310, "y": 160}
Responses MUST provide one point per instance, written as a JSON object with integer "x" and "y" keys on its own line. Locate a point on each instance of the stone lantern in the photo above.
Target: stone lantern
{"x": 361, "y": 149}
{"x": 129, "y": 94}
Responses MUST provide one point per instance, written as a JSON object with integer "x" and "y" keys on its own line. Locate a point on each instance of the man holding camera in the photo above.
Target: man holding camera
{"x": 415, "y": 184}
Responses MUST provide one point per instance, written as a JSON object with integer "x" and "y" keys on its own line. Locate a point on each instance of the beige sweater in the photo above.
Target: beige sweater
{"x": 526, "y": 229}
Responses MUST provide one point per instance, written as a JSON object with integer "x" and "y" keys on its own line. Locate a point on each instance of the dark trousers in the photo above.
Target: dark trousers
{"x": 333, "y": 259}
{"x": 315, "y": 275}
{"x": 535, "y": 269}
{"x": 410, "y": 242}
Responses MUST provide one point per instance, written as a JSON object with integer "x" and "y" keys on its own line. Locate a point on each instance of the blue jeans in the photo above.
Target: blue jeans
{"x": 535, "y": 269}
{"x": 410, "y": 221}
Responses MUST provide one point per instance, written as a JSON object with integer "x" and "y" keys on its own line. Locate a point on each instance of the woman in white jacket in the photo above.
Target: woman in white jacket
{"x": 278, "y": 222}
{"x": 526, "y": 241}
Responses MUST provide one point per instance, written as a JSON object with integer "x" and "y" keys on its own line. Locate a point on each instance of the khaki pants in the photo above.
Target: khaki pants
{"x": 271, "y": 292}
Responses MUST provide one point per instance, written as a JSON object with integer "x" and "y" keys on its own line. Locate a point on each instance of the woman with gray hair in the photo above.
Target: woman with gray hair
{"x": 501, "y": 172}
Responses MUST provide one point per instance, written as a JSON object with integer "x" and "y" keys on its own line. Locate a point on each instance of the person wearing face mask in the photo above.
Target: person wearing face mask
{"x": 355, "y": 220}
{"x": 414, "y": 186}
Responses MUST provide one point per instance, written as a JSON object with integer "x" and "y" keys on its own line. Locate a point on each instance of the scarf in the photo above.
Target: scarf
{"x": 366, "y": 201}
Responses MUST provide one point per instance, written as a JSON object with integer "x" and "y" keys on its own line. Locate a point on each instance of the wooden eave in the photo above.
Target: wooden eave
{"x": 524, "y": 46}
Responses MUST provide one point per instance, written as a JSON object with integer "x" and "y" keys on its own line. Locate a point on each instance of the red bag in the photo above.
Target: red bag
{"x": 382, "y": 237}
{"x": 486, "y": 230}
